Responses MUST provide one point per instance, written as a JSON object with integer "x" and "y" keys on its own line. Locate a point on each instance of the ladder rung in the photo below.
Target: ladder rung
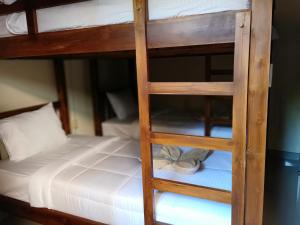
{"x": 192, "y": 141}
{"x": 191, "y": 88}
{"x": 221, "y": 72}
{"x": 192, "y": 190}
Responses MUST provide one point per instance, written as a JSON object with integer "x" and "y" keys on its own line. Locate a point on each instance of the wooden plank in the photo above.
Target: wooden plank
{"x": 120, "y": 37}
{"x": 140, "y": 12}
{"x": 239, "y": 116}
{"x": 192, "y": 141}
{"x": 192, "y": 190}
{"x": 191, "y": 88}
{"x": 62, "y": 95}
{"x": 202, "y": 29}
{"x": 257, "y": 108}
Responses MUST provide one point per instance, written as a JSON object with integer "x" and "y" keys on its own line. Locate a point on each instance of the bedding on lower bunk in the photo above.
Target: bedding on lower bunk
{"x": 104, "y": 12}
{"x": 164, "y": 121}
{"x": 100, "y": 179}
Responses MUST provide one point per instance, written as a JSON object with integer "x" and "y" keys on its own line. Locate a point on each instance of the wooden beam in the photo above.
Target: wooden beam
{"x": 31, "y": 18}
{"x": 257, "y": 108}
{"x": 61, "y": 89}
{"x": 192, "y": 141}
{"x": 98, "y": 105}
{"x": 191, "y": 88}
{"x": 192, "y": 190}
{"x": 140, "y": 12}
{"x": 239, "y": 115}
{"x": 120, "y": 38}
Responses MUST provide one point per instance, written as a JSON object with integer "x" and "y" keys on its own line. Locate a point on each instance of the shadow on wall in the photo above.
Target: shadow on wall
{"x": 26, "y": 83}
{"x": 284, "y": 109}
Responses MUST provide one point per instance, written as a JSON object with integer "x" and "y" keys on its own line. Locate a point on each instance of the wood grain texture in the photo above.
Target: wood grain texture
{"x": 168, "y": 33}
{"x": 257, "y": 108}
{"x": 192, "y": 141}
{"x": 239, "y": 115}
{"x": 62, "y": 94}
{"x": 191, "y": 88}
{"x": 140, "y": 12}
{"x": 192, "y": 190}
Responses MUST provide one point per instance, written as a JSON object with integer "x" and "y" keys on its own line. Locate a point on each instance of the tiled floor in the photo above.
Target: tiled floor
{"x": 281, "y": 204}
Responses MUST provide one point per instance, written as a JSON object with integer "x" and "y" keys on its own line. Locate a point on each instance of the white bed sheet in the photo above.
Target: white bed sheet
{"x": 103, "y": 12}
{"x": 164, "y": 121}
{"x": 106, "y": 186}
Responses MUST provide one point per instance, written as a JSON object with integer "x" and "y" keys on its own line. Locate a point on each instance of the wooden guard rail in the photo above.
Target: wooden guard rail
{"x": 237, "y": 89}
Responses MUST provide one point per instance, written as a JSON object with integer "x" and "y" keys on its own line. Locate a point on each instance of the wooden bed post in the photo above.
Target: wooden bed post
{"x": 98, "y": 105}
{"x": 62, "y": 94}
{"x": 257, "y": 109}
{"x": 31, "y": 18}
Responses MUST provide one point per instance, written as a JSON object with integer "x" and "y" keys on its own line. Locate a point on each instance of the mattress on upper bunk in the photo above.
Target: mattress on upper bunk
{"x": 100, "y": 179}
{"x": 168, "y": 121}
{"x": 104, "y": 12}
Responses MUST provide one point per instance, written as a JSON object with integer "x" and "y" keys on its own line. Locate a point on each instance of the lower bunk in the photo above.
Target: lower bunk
{"x": 99, "y": 179}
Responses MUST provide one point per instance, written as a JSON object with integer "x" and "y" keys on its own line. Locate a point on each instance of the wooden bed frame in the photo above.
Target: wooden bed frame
{"x": 204, "y": 34}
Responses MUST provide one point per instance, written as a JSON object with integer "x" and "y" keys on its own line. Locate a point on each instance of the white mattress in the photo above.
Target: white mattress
{"x": 165, "y": 121}
{"x": 104, "y": 12}
{"x": 100, "y": 179}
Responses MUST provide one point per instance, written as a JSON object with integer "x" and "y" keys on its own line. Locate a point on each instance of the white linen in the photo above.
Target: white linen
{"x": 104, "y": 12}
{"x": 100, "y": 179}
{"x": 164, "y": 121}
{"x": 29, "y": 133}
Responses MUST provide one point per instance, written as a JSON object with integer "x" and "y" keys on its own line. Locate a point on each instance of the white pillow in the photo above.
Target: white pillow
{"x": 7, "y": 2}
{"x": 29, "y": 133}
{"x": 123, "y": 104}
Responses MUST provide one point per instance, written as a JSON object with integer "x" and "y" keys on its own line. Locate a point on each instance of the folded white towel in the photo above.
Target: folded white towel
{"x": 174, "y": 159}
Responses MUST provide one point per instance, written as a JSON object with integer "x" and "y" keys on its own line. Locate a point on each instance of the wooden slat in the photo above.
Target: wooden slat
{"x": 191, "y": 88}
{"x": 140, "y": 12}
{"x": 192, "y": 190}
{"x": 258, "y": 108}
{"x": 239, "y": 116}
{"x": 192, "y": 141}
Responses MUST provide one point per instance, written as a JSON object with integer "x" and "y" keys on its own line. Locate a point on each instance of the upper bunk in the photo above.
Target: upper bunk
{"x": 72, "y": 27}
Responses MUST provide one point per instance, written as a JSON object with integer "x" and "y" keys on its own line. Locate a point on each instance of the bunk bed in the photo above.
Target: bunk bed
{"x": 214, "y": 32}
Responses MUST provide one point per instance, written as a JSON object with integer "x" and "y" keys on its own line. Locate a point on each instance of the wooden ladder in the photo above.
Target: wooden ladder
{"x": 237, "y": 145}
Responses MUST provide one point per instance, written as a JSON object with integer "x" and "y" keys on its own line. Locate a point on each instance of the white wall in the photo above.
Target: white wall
{"x": 79, "y": 96}
{"x": 26, "y": 83}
